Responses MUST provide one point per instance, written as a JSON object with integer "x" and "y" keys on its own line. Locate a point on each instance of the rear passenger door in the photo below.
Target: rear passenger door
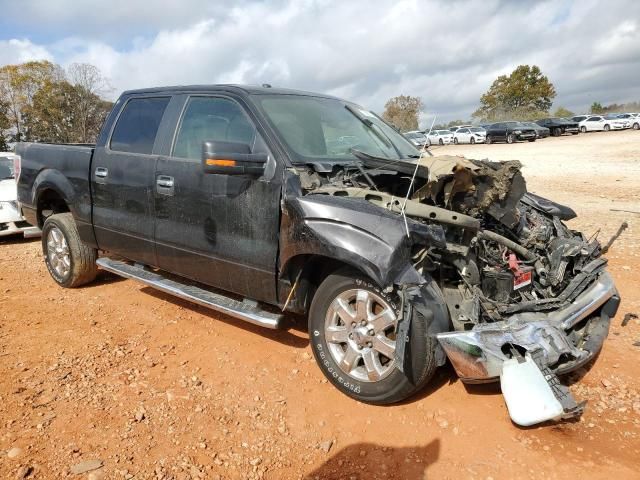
{"x": 123, "y": 180}
{"x": 221, "y": 230}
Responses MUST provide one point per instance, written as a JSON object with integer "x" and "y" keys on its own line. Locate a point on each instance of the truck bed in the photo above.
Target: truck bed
{"x": 63, "y": 168}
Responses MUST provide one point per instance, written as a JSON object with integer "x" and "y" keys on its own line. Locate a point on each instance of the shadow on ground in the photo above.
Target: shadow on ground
{"x": 369, "y": 461}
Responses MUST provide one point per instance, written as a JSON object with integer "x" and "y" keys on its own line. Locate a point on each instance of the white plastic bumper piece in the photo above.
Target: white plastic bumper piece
{"x": 528, "y": 395}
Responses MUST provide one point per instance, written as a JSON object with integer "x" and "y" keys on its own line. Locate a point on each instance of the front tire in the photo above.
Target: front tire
{"x": 607, "y": 128}
{"x": 583, "y": 129}
{"x": 70, "y": 262}
{"x": 352, "y": 327}
{"x": 472, "y": 141}
{"x": 636, "y": 126}
{"x": 455, "y": 141}
{"x": 488, "y": 140}
{"x": 510, "y": 138}
{"x": 557, "y": 132}
{"x": 441, "y": 142}
{"x": 532, "y": 139}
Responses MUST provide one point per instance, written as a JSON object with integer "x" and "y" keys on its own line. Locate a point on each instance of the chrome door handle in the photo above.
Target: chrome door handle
{"x": 164, "y": 181}
{"x": 102, "y": 172}
{"x": 164, "y": 185}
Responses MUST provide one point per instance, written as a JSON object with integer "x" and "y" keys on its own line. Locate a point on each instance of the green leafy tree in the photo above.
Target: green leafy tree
{"x": 64, "y": 113}
{"x": 563, "y": 112}
{"x": 18, "y": 86}
{"x": 402, "y": 112}
{"x": 597, "y": 108}
{"x": 525, "y": 93}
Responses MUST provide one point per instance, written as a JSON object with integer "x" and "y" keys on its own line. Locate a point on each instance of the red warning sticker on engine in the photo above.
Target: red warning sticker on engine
{"x": 522, "y": 279}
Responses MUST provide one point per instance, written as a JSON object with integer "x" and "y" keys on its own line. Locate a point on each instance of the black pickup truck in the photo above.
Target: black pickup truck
{"x": 258, "y": 201}
{"x": 559, "y": 126}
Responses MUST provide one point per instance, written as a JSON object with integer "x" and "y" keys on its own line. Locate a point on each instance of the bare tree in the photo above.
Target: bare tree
{"x": 90, "y": 84}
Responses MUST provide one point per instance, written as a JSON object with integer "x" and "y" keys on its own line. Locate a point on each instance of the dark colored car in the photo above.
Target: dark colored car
{"x": 541, "y": 132}
{"x": 559, "y": 126}
{"x": 510, "y": 132}
{"x": 257, "y": 201}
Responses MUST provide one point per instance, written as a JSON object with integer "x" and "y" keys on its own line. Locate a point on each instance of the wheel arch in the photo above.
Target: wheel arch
{"x": 50, "y": 199}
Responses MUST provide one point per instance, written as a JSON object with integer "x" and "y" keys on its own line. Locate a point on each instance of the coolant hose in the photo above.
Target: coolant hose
{"x": 516, "y": 247}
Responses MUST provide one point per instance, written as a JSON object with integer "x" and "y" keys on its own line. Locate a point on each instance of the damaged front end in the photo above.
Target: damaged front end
{"x": 523, "y": 291}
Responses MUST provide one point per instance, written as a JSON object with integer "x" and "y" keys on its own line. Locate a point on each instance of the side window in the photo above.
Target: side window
{"x": 137, "y": 126}
{"x": 211, "y": 119}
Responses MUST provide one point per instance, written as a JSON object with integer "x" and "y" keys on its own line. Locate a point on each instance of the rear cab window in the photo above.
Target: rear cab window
{"x": 137, "y": 126}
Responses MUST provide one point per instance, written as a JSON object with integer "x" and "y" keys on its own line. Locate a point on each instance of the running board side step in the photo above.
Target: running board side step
{"x": 247, "y": 310}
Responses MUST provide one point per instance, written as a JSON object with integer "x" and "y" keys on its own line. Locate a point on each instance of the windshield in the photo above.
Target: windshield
{"x": 477, "y": 129}
{"x": 316, "y": 128}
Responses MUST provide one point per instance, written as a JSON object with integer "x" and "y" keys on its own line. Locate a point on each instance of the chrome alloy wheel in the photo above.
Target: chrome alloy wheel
{"x": 360, "y": 331}
{"x": 58, "y": 252}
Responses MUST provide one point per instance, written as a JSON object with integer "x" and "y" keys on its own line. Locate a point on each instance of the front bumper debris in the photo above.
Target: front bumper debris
{"x": 534, "y": 394}
{"x": 478, "y": 355}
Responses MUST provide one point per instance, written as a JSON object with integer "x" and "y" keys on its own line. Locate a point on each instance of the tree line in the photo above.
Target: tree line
{"x": 525, "y": 94}
{"x": 42, "y": 102}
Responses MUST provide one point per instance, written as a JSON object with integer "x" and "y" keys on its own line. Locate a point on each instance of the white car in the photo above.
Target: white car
{"x": 11, "y": 221}
{"x": 455, "y": 128}
{"x": 600, "y": 123}
{"x": 632, "y": 118}
{"x": 416, "y": 137}
{"x": 440, "y": 137}
{"x": 470, "y": 135}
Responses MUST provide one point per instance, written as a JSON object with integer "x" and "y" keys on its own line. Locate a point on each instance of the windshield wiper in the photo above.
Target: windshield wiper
{"x": 377, "y": 131}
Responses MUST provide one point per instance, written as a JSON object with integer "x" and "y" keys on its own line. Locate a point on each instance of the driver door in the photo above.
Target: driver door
{"x": 221, "y": 230}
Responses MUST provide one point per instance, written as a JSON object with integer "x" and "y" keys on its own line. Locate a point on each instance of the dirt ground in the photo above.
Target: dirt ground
{"x": 148, "y": 386}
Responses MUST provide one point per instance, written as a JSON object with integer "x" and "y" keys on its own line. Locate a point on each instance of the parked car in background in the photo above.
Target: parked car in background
{"x": 440, "y": 137}
{"x": 579, "y": 118}
{"x": 616, "y": 117}
{"x": 418, "y": 138}
{"x": 598, "y": 123}
{"x": 470, "y": 135}
{"x": 541, "y": 132}
{"x": 455, "y": 128}
{"x": 11, "y": 221}
{"x": 559, "y": 126}
{"x": 632, "y": 118}
{"x": 510, "y": 132}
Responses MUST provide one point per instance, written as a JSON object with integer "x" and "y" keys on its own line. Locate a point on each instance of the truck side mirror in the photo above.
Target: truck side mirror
{"x": 232, "y": 158}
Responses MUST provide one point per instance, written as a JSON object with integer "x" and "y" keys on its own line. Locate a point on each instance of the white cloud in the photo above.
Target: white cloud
{"x": 448, "y": 53}
{"x": 18, "y": 51}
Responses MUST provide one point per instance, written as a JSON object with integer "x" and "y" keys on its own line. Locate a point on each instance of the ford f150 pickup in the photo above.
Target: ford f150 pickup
{"x": 258, "y": 201}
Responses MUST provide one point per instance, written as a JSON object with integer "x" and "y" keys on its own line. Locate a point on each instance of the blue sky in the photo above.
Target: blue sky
{"x": 446, "y": 52}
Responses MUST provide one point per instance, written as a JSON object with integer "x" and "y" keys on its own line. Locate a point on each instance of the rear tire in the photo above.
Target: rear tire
{"x": 532, "y": 139}
{"x": 70, "y": 262}
{"x": 349, "y": 351}
{"x": 636, "y": 126}
{"x": 488, "y": 140}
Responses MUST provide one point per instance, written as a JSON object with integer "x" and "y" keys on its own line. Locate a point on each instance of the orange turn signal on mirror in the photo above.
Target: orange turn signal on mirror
{"x": 221, "y": 163}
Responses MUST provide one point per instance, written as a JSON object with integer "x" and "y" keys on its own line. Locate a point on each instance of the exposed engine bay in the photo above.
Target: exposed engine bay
{"x": 508, "y": 252}
{"x": 527, "y": 295}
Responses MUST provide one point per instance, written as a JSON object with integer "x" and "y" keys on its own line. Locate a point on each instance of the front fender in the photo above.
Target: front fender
{"x": 355, "y": 232}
